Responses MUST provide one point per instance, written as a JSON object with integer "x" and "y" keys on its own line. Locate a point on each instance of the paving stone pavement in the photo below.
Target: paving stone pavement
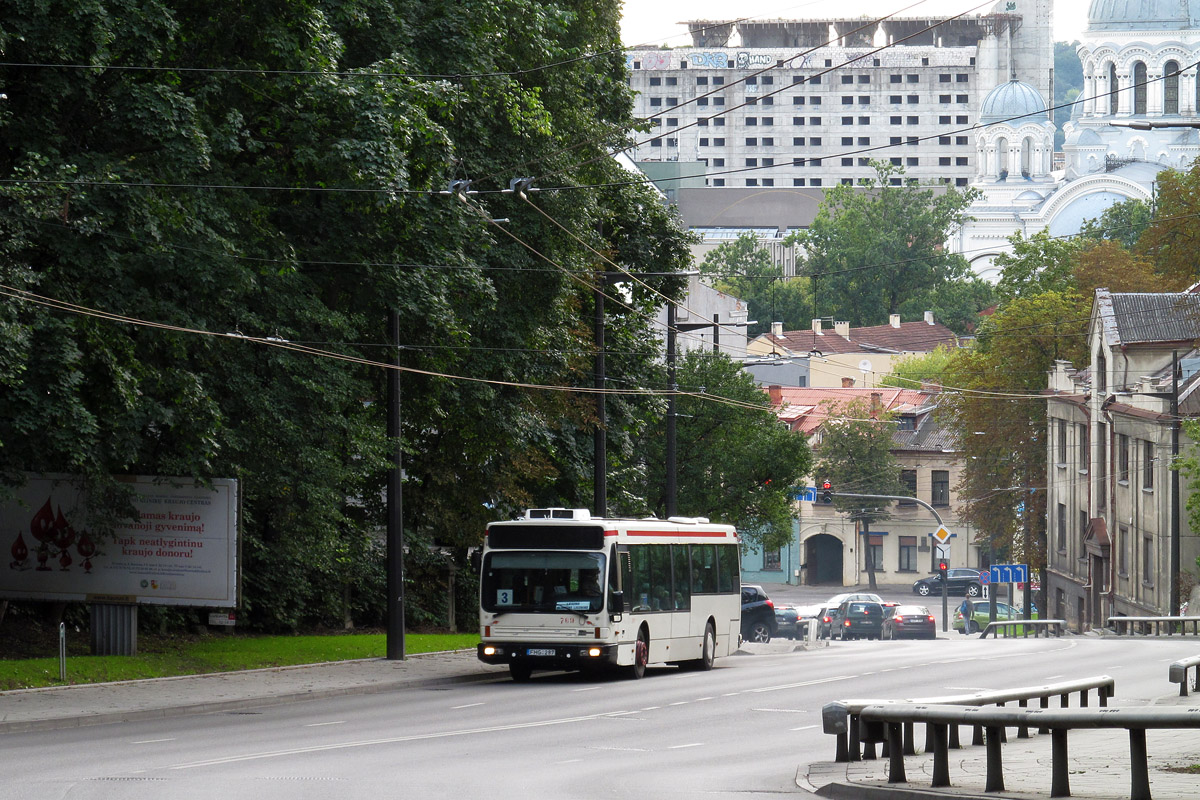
{"x": 1100, "y": 767}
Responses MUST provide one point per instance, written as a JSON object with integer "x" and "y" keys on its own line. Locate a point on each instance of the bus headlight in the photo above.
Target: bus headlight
{"x": 594, "y": 652}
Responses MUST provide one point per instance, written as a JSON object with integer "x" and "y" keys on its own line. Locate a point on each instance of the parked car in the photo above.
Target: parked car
{"x": 905, "y": 622}
{"x": 859, "y": 619}
{"x": 830, "y": 608}
{"x": 758, "y": 614}
{"x": 958, "y": 581}
{"x": 981, "y": 616}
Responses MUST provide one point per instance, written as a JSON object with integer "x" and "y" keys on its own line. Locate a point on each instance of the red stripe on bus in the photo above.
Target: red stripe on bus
{"x": 717, "y": 534}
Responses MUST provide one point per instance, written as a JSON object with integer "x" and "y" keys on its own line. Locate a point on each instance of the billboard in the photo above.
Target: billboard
{"x": 182, "y": 551}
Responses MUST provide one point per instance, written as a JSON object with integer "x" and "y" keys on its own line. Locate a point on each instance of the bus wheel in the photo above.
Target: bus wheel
{"x": 708, "y": 652}
{"x": 641, "y": 655}
{"x": 520, "y": 672}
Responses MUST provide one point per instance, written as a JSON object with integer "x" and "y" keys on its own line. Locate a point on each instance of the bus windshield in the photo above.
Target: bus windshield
{"x": 536, "y": 581}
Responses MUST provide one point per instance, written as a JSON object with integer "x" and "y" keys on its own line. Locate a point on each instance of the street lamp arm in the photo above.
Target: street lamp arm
{"x": 916, "y": 500}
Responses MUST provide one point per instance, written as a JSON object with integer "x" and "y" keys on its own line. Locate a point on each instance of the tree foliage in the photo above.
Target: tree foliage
{"x": 746, "y": 270}
{"x": 735, "y": 461}
{"x": 874, "y": 248}
{"x": 994, "y": 401}
{"x": 265, "y": 184}
{"x": 855, "y": 455}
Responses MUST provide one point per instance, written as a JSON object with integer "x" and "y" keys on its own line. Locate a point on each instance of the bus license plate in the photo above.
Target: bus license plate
{"x": 535, "y": 651}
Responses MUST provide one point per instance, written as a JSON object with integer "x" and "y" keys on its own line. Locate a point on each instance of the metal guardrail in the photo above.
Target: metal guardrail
{"x": 1125, "y": 624}
{"x": 841, "y": 718}
{"x": 885, "y": 722}
{"x": 1178, "y": 673}
{"x": 1038, "y": 625}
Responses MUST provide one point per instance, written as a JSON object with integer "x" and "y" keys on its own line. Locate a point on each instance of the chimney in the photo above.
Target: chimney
{"x": 777, "y": 329}
{"x": 817, "y": 327}
{"x": 894, "y": 319}
{"x": 876, "y": 404}
{"x": 842, "y": 329}
{"x": 929, "y": 318}
{"x": 847, "y": 383}
{"x": 776, "y": 395}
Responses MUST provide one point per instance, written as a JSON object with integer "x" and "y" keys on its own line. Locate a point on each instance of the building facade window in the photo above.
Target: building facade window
{"x": 875, "y": 551}
{"x": 1083, "y": 523}
{"x": 1148, "y": 465}
{"x": 772, "y": 561}
{"x": 1061, "y": 528}
{"x": 1123, "y": 458}
{"x": 908, "y": 484}
{"x": 908, "y": 554}
{"x": 940, "y": 488}
{"x": 1123, "y": 550}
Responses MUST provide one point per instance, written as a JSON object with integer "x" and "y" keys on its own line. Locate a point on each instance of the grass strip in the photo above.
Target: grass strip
{"x": 165, "y": 658}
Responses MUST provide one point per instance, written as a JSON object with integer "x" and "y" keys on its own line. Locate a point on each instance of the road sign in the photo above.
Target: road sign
{"x": 941, "y": 551}
{"x": 1010, "y": 573}
{"x": 942, "y": 535}
{"x": 985, "y": 577}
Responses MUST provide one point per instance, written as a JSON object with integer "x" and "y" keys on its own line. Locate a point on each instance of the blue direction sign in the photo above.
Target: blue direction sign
{"x": 1009, "y": 573}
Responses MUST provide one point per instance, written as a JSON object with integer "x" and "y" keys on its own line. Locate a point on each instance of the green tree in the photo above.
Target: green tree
{"x": 746, "y": 270}
{"x": 994, "y": 402}
{"x": 1037, "y": 264}
{"x": 912, "y": 371}
{"x": 1068, "y": 83}
{"x": 1122, "y": 222}
{"x": 736, "y": 463}
{"x": 874, "y": 247}
{"x": 855, "y": 455}
{"x": 276, "y": 172}
{"x": 1172, "y": 237}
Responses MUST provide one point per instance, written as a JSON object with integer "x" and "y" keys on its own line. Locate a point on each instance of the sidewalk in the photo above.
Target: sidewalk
{"x": 1099, "y": 767}
{"x": 93, "y": 704}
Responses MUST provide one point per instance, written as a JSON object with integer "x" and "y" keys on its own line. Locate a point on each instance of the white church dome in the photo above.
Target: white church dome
{"x": 1142, "y": 15}
{"x": 1016, "y": 101}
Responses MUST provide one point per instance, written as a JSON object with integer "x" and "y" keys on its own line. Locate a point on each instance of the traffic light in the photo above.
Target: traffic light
{"x": 826, "y": 492}
{"x": 942, "y": 567}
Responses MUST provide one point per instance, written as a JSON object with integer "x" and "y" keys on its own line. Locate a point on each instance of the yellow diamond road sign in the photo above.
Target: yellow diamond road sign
{"x": 942, "y": 535}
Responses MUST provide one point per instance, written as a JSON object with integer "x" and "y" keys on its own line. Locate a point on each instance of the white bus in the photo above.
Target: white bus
{"x": 561, "y": 590}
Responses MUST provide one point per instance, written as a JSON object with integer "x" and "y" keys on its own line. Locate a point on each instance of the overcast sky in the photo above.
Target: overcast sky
{"x": 655, "y": 21}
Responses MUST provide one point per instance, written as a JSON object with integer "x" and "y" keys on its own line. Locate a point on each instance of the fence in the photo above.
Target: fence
{"x": 1123, "y": 625}
{"x": 884, "y": 722}
{"x": 1178, "y": 673}
{"x": 1037, "y": 625}
{"x": 841, "y": 719}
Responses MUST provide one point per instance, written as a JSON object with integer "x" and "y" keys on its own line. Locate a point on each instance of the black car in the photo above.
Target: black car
{"x": 858, "y": 618}
{"x": 758, "y": 615}
{"x": 958, "y": 581}
{"x": 828, "y": 620}
{"x": 914, "y": 622}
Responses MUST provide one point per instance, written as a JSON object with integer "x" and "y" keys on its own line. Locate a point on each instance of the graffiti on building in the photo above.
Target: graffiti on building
{"x": 750, "y": 60}
{"x": 712, "y": 60}
{"x": 648, "y": 61}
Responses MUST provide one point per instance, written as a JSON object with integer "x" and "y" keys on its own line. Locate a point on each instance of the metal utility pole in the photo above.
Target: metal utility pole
{"x": 671, "y": 489}
{"x": 600, "y": 437}
{"x": 395, "y": 504}
{"x": 1175, "y": 556}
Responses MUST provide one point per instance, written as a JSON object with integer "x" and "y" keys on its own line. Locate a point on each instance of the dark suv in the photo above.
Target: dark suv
{"x": 958, "y": 581}
{"x": 859, "y": 618}
{"x": 758, "y": 615}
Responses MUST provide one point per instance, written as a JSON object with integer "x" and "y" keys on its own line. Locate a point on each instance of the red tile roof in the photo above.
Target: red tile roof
{"x": 805, "y": 409}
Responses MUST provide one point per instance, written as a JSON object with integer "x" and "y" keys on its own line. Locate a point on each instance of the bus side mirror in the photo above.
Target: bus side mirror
{"x": 616, "y": 603}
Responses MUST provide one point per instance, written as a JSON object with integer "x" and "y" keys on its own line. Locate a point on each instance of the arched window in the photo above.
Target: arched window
{"x": 1002, "y": 158}
{"x": 1139, "y": 88}
{"x": 1026, "y": 156}
{"x": 1112, "y": 88}
{"x": 1171, "y": 87}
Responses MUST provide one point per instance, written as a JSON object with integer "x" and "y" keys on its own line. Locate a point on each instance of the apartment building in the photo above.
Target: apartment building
{"x": 809, "y": 103}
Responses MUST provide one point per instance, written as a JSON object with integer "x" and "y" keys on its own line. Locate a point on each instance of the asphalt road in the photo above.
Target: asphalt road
{"x": 741, "y": 730}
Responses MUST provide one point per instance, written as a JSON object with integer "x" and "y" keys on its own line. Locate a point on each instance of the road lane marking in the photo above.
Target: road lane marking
{"x": 154, "y": 741}
{"x": 681, "y": 703}
{"x": 468, "y": 705}
{"x": 681, "y": 746}
{"x": 584, "y": 689}
{"x": 651, "y": 708}
{"x": 783, "y": 710}
{"x": 417, "y": 737}
{"x": 806, "y": 727}
{"x": 569, "y": 761}
{"x": 1051, "y": 677}
{"x": 803, "y": 683}
{"x": 322, "y": 724}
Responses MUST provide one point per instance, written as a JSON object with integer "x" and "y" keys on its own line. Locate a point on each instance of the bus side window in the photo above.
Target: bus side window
{"x": 704, "y": 569}
{"x": 727, "y": 568}
{"x": 682, "y": 574}
{"x": 660, "y": 576}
